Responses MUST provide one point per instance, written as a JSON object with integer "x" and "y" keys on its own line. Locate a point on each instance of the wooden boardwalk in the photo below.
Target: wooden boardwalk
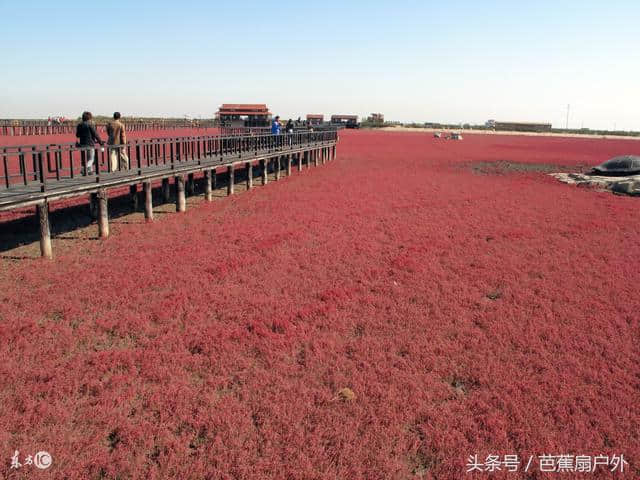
{"x": 38, "y": 183}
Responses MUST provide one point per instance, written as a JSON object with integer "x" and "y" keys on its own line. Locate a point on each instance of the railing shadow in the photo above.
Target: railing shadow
{"x": 69, "y": 219}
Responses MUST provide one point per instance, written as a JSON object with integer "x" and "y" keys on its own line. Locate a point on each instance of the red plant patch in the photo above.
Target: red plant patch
{"x": 383, "y": 316}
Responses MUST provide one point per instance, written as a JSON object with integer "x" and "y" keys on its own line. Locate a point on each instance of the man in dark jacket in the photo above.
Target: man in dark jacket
{"x": 87, "y": 137}
{"x": 289, "y": 130}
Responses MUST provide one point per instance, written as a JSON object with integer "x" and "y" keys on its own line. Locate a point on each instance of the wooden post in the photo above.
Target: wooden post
{"x": 181, "y": 201}
{"x": 276, "y": 167}
{"x": 263, "y": 164}
{"x": 289, "y": 165}
{"x": 45, "y": 231}
{"x": 93, "y": 205}
{"x": 299, "y": 162}
{"x": 191, "y": 184}
{"x": 334, "y": 152}
{"x": 208, "y": 194}
{"x": 214, "y": 176}
{"x": 166, "y": 192}
{"x": 103, "y": 214}
{"x": 314, "y": 153}
{"x": 249, "y": 175}
{"x": 148, "y": 201}
{"x": 231, "y": 179}
{"x": 133, "y": 194}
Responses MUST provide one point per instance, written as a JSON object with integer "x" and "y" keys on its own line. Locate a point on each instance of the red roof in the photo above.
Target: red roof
{"x": 315, "y": 115}
{"x": 244, "y": 109}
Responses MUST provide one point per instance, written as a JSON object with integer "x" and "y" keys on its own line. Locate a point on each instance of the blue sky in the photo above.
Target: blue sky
{"x": 411, "y": 60}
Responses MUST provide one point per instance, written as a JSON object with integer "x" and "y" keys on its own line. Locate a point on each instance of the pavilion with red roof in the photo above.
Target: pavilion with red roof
{"x": 244, "y": 115}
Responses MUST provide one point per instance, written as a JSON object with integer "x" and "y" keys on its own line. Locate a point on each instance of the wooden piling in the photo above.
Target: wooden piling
{"x": 263, "y": 164}
{"x": 249, "y": 176}
{"x": 231, "y": 179}
{"x": 148, "y": 201}
{"x": 103, "y": 213}
{"x": 191, "y": 185}
{"x": 299, "y": 162}
{"x": 208, "y": 193}
{"x": 181, "y": 201}
{"x": 289, "y": 165}
{"x": 45, "y": 230}
{"x": 314, "y": 153}
{"x": 276, "y": 167}
{"x": 93, "y": 205}
{"x": 133, "y": 195}
{"x": 166, "y": 192}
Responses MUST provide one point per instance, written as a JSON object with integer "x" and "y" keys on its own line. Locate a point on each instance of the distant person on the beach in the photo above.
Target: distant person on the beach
{"x": 117, "y": 136}
{"x": 87, "y": 137}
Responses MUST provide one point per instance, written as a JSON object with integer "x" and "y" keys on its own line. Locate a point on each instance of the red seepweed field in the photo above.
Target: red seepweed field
{"x": 470, "y": 304}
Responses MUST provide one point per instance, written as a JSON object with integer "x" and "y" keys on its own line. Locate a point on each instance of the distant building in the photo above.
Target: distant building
{"x": 518, "y": 126}
{"x": 345, "y": 119}
{"x": 315, "y": 118}
{"x": 243, "y": 115}
{"x": 376, "y": 118}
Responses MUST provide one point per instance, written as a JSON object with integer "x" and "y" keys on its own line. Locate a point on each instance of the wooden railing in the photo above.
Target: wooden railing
{"x": 45, "y": 165}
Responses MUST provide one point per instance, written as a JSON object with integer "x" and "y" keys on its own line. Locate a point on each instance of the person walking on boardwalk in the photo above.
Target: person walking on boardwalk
{"x": 289, "y": 130}
{"x": 275, "y": 128}
{"x": 117, "y": 139}
{"x": 87, "y": 138}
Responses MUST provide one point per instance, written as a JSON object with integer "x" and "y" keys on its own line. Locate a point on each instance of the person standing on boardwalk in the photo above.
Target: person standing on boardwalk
{"x": 117, "y": 139}
{"x": 87, "y": 138}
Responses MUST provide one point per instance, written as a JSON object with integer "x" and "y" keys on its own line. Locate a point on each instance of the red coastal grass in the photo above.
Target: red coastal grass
{"x": 457, "y": 312}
